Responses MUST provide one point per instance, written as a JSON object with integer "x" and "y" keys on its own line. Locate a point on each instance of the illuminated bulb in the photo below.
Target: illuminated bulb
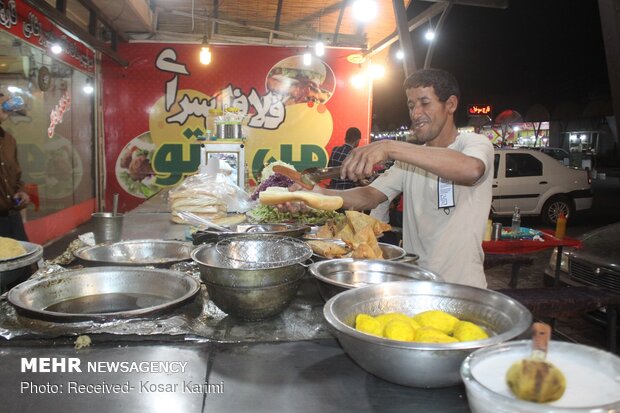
{"x": 516, "y": 128}
{"x": 365, "y": 10}
{"x": 319, "y": 49}
{"x": 88, "y": 88}
{"x": 205, "y": 55}
{"x": 376, "y": 71}
{"x": 430, "y": 35}
{"x": 358, "y": 81}
{"x": 56, "y": 49}
{"x": 14, "y": 89}
{"x": 400, "y": 55}
{"x": 307, "y": 59}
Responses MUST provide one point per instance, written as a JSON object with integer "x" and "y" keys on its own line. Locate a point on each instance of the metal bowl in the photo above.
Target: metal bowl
{"x": 19, "y": 268}
{"x": 102, "y": 294}
{"x": 592, "y": 379}
{"x": 336, "y": 276}
{"x": 249, "y": 293}
{"x": 254, "y": 303}
{"x": 159, "y": 253}
{"x": 390, "y": 252}
{"x": 421, "y": 364}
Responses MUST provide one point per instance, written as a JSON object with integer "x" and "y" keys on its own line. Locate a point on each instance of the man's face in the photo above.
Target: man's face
{"x": 428, "y": 115}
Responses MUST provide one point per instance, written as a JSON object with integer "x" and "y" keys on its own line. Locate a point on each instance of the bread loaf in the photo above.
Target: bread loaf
{"x": 276, "y": 195}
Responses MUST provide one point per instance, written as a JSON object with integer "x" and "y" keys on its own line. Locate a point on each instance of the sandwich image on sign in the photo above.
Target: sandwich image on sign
{"x": 296, "y": 82}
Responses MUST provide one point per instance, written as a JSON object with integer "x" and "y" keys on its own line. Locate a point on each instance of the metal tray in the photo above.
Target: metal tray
{"x": 158, "y": 253}
{"x": 28, "y": 246}
{"x": 390, "y": 252}
{"x": 103, "y": 294}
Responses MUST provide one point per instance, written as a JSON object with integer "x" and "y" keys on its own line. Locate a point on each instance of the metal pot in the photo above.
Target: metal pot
{"x": 336, "y": 276}
{"x": 135, "y": 253}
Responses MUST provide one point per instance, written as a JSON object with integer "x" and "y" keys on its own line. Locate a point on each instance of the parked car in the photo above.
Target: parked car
{"x": 596, "y": 263}
{"x": 538, "y": 185}
{"x": 560, "y": 154}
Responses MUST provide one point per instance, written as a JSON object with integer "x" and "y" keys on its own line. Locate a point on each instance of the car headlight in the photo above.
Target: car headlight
{"x": 563, "y": 262}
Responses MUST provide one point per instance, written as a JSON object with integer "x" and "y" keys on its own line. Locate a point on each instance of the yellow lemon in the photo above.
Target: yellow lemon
{"x": 466, "y": 331}
{"x": 437, "y": 319}
{"x": 399, "y": 330}
{"x": 387, "y": 317}
{"x": 432, "y": 335}
{"x": 368, "y": 324}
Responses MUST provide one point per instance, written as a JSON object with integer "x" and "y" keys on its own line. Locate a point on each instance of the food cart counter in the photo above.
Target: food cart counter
{"x": 186, "y": 373}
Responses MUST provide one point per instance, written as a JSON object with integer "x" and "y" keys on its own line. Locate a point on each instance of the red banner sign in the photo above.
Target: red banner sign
{"x": 159, "y": 110}
{"x": 30, "y": 25}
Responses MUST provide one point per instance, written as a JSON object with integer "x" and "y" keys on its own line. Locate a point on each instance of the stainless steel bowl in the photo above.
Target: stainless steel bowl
{"x": 421, "y": 364}
{"x": 336, "y": 276}
{"x": 159, "y": 253}
{"x": 104, "y": 293}
{"x": 252, "y": 293}
{"x": 287, "y": 230}
{"x": 390, "y": 252}
{"x": 254, "y": 303}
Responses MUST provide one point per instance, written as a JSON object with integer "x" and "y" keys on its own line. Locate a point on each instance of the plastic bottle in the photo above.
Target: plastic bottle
{"x": 516, "y": 223}
{"x": 489, "y": 230}
{"x": 13, "y": 104}
{"x": 560, "y": 226}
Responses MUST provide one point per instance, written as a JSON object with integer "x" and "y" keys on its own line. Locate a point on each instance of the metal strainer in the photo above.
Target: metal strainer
{"x": 257, "y": 251}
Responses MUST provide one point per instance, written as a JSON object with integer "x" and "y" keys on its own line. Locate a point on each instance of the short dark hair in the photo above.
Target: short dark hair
{"x": 443, "y": 82}
{"x": 353, "y": 135}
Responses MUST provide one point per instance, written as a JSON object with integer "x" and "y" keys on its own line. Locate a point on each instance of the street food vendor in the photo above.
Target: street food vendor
{"x": 445, "y": 182}
{"x": 12, "y": 197}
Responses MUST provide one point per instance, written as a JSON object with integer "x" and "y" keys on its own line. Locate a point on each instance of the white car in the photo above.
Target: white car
{"x": 539, "y": 185}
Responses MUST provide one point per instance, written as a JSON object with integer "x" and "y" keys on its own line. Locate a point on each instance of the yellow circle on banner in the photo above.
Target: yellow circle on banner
{"x": 172, "y": 126}
{"x": 305, "y": 128}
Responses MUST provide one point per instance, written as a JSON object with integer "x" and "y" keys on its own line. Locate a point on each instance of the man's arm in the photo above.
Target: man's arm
{"x": 446, "y": 163}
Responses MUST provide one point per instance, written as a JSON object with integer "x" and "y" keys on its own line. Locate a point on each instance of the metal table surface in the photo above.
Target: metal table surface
{"x": 286, "y": 376}
{"x": 303, "y": 376}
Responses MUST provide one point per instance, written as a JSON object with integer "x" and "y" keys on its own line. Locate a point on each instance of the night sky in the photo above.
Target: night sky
{"x": 535, "y": 51}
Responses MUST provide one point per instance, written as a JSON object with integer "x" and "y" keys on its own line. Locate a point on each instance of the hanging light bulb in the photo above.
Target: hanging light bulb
{"x": 319, "y": 48}
{"x": 400, "y": 55}
{"x": 56, "y": 48}
{"x": 205, "y": 52}
{"x": 88, "y": 87}
{"x": 307, "y": 58}
{"x": 429, "y": 35}
{"x": 364, "y": 10}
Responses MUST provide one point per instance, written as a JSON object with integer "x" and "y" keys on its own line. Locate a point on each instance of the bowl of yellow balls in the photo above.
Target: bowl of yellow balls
{"x": 417, "y": 333}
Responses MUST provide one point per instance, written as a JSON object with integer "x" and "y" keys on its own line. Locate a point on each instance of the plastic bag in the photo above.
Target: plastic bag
{"x": 214, "y": 188}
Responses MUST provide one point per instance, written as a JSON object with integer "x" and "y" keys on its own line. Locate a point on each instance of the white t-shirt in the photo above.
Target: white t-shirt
{"x": 448, "y": 240}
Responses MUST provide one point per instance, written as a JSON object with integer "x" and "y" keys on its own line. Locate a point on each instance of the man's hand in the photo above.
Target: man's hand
{"x": 293, "y": 207}
{"x": 21, "y": 199}
{"x": 360, "y": 162}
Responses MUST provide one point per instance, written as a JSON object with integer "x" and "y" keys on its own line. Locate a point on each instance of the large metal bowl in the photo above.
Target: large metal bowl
{"x": 390, "y": 252}
{"x": 104, "y": 293}
{"x": 421, "y": 364}
{"x": 250, "y": 292}
{"x": 336, "y": 276}
{"x": 142, "y": 252}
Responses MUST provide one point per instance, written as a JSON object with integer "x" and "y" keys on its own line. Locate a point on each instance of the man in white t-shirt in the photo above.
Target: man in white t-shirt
{"x": 446, "y": 181}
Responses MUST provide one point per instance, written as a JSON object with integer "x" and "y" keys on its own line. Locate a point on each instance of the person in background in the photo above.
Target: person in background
{"x": 445, "y": 181}
{"x": 12, "y": 197}
{"x": 339, "y": 153}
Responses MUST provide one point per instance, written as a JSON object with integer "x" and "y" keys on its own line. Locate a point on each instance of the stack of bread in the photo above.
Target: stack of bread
{"x": 207, "y": 205}
{"x": 359, "y": 233}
